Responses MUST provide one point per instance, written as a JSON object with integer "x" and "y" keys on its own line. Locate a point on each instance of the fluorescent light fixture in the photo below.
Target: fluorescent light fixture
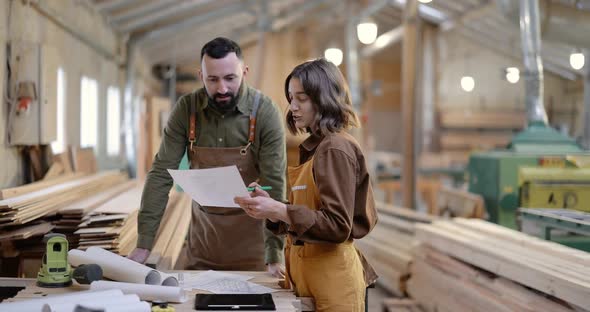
{"x": 334, "y": 55}
{"x": 424, "y": 1}
{"x": 467, "y": 83}
{"x": 577, "y": 60}
{"x": 512, "y": 74}
{"x": 366, "y": 32}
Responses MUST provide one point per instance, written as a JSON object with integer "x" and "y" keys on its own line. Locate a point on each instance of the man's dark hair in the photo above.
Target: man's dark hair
{"x": 220, "y": 47}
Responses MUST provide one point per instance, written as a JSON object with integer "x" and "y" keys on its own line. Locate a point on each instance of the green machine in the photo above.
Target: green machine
{"x": 55, "y": 270}
{"x": 495, "y": 174}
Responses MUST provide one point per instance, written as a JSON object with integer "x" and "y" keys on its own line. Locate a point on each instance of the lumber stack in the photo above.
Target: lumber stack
{"x": 28, "y": 206}
{"x": 469, "y": 131}
{"x": 78, "y": 212}
{"x": 112, "y": 225}
{"x": 471, "y": 264}
{"x": 388, "y": 248}
{"x": 456, "y": 202}
{"x": 400, "y": 305}
{"x": 172, "y": 232}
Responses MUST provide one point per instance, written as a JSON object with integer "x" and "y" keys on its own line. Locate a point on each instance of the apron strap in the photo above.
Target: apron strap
{"x": 252, "y": 130}
{"x": 192, "y": 122}
{"x": 253, "y": 117}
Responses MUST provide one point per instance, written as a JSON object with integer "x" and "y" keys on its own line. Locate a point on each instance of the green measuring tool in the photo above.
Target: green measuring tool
{"x": 55, "y": 270}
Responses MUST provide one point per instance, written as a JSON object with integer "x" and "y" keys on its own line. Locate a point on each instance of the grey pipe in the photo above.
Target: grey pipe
{"x": 586, "y": 135}
{"x": 560, "y": 23}
{"x": 531, "y": 49}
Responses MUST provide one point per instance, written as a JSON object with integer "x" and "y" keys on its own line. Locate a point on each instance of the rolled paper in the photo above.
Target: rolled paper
{"x": 145, "y": 292}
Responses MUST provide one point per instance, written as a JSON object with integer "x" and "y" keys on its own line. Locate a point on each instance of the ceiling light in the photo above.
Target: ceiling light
{"x": 512, "y": 74}
{"x": 366, "y": 32}
{"x": 467, "y": 83}
{"x": 425, "y": 1}
{"x": 334, "y": 55}
{"x": 577, "y": 60}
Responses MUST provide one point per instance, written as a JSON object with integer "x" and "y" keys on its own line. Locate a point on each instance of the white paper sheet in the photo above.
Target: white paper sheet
{"x": 94, "y": 303}
{"x": 223, "y": 283}
{"x": 231, "y": 286}
{"x": 214, "y": 187}
{"x": 199, "y": 280}
{"x": 35, "y": 305}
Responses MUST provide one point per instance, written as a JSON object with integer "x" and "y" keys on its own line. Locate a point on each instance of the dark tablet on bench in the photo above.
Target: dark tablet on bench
{"x": 234, "y": 302}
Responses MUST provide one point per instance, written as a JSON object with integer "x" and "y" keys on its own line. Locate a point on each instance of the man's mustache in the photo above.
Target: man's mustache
{"x": 219, "y": 95}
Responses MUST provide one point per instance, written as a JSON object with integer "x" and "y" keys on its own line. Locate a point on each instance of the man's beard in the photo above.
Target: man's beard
{"x": 226, "y": 104}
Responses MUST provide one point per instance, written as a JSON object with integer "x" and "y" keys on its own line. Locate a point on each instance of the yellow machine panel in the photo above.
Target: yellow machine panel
{"x": 567, "y": 188}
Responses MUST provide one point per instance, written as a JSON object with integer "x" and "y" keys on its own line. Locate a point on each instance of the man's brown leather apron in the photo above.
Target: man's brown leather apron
{"x": 225, "y": 238}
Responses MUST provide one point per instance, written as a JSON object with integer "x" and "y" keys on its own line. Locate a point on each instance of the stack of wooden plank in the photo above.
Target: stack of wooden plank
{"x": 76, "y": 213}
{"x": 468, "y": 131}
{"x": 172, "y": 232}
{"x": 388, "y": 248}
{"x": 112, "y": 225}
{"x": 400, "y": 305}
{"x": 470, "y": 264}
{"x": 456, "y": 202}
{"x": 54, "y": 194}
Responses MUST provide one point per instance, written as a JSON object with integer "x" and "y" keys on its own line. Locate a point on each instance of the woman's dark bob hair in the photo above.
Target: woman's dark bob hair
{"x": 323, "y": 82}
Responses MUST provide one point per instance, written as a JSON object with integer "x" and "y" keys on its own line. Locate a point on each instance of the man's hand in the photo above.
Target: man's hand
{"x": 139, "y": 255}
{"x": 276, "y": 269}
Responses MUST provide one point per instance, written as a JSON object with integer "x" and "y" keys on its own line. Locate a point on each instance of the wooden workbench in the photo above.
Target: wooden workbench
{"x": 285, "y": 300}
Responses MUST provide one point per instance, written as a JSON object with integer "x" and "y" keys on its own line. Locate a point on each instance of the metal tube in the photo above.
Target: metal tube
{"x": 531, "y": 49}
{"x": 586, "y": 125}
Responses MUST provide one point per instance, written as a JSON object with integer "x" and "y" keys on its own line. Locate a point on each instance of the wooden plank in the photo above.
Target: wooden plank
{"x": 403, "y": 213}
{"x": 27, "y": 231}
{"x": 167, "y": 225}
{"x": 460, "y": 203}
{"x": 494, "y": 260}
{"x": 524, "y": 240}
{"x": 35, "y": 186}
{"x": 482, "y": 120}
{"x": 86, "y": 205}
{"x": 84, "y": 159}
{"x": 470, "y": 140}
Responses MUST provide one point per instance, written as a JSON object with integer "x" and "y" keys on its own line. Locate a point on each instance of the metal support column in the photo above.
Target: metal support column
{"x": 409, "y": 69}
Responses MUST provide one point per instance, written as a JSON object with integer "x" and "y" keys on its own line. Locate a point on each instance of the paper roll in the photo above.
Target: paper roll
{"x": 145, "y": 292}
{"x": 115, "y": 267}
{"x": 168, "y": 280}
{"x": 141, "y": 306}
{"x": 35, "y": 305}
{"x": 93, "y": 303}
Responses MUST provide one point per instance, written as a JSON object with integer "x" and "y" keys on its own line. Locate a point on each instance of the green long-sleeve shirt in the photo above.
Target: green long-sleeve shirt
{"x": 216, "y": 130}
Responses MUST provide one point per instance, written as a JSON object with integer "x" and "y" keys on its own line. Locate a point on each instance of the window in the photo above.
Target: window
{"x": 113, "y": 121}
{"x": 88, "y": 112}
{"x": 58, "y": 146}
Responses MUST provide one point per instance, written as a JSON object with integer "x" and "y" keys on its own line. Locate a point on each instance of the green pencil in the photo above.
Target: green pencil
{"x": 264, "y": 188}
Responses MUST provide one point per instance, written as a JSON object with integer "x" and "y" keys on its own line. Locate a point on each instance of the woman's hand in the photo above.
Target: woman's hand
{"x": 258, "y": 192}
{"x": 261, "y": 207}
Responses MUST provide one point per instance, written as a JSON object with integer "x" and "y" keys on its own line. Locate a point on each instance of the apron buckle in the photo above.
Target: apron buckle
{"x": 244, "y": 150}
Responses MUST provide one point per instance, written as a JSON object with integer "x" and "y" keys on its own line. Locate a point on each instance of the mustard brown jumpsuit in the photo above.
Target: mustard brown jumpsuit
{"x": 331, "y": 205}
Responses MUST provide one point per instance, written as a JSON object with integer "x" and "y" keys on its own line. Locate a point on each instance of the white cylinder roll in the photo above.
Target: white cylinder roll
{"x": 35, "y": 305}
{"x": 115, "y": 267}
{"x": 145, "y": 292}
{"x": 141, "y": 306}
{"x": 168, "y": 280}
